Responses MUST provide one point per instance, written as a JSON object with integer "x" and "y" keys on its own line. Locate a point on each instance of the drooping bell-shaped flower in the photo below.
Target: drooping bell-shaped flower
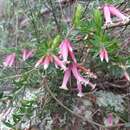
{"x": 126, "y": 75}
{"x": 103, "y": 54}
{"x": 73, "y": 69}
{"x": 9, "y": 60}
{"x": 45, "y": 61}
{"x": 39, "y": 62}
{"x": 71, "y": 54}
{"x": 80, "y": 78}
{"x": 26, "y": 54}
{"x": 80, "y": 89}
{"x": 59, "y": 63}
{"x": 109, "y": 120}
{"x": 66, "y": 50}
{"x": 117, "y": 13}
{"x": 106, "y": 55}
{"x": 107, "y": 15}
{"x": 77, "y": 75}
{"x": 66, "y": 78}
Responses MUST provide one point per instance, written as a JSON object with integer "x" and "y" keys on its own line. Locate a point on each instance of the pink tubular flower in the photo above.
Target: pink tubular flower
{"x": 58, "y": 62}
{"x": 66, "y": 49}
{"x": 111, "y": 10}
{"x": 77, "y": 75}
{"x": 79, "y": 87}
{"x": 110, "y": 119}
{"x": 117, "y": 13}
{"x": 45, "y": 61}
{"x": 103, "y": 54}
{"x": 71, "y": 53}
{"x": 126, "y": 75}
{"x": 26, "y": 54}
{"x": 80, "y": 79}
{"x": 107, "y": 14}
{"x": 67, "y": 75}
{"x": 9, "y": 60}
{"x": 39, "y": 62}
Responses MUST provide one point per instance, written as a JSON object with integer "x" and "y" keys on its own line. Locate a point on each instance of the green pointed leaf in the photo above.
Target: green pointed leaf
{"x": 98, "y": 19}
{"x": 8, "y": 124}
{"x": 56, "y": 42}
{"x": 1, "y": 95}
{"x": 77, "y": 15}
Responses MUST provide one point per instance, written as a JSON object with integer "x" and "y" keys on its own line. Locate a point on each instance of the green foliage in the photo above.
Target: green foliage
{"x": 77, "y": 15}
{"x": 49, "y": 46}
{"x": 97, "y": 19}
{"x": 8, "y": 124}
{"x": 1, "y": 95}
{"x": 56, "y": 42}
{"x": 113, "y": 1}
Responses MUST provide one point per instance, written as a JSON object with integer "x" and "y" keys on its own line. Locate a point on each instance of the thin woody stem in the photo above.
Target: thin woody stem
{"x": 54, "y": 15}
{"x": 18, "y": 75}
{"x": 72, "y": 112}
{"x": 66, "y": 108}
{"x": 33, "y": 21}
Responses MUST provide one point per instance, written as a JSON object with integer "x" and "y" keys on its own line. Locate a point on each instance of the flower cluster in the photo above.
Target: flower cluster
{"x": 65, "y": 50}
{"x": 47, "y": 59}
{"x": 103, "y": 54}
{"x": 10, "y": 59}
{"x": 66, "y": 60}
{"x": 73, "y": 68}
{"x": 109, "y": 11}
{"x": 26, "y": 54}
